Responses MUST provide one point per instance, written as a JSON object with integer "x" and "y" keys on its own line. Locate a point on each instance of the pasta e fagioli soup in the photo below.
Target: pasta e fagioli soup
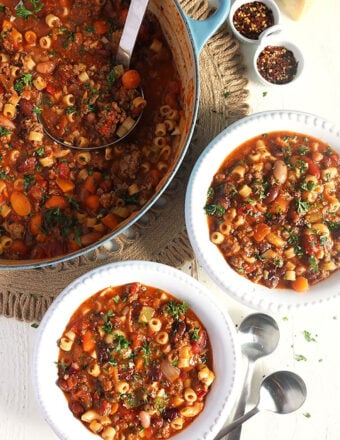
{"x": 134, "y": 362}
{"x": 57, "y": 62}
{"x": 273, "y": 210}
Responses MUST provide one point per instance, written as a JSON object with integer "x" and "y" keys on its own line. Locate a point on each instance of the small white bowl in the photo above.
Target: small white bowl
{"x": 269, "y": 3}
{"x": 275, "y": 37}
{"x": 227, "y": 362}
{"x": 241, "y": 289}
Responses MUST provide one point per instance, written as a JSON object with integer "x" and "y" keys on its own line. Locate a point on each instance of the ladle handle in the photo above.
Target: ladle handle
{"x": 241, "y": 406}
{"x": 133, "y": 21}
{"x": 236, "y": 423}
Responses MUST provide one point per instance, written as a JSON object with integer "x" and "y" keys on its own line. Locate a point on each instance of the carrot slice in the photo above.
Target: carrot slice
{"x": 64, "y": 184}
{"x": 280, "y": 205}
{"x": 110, "y": 220}
{"x": 131, "y": 79}
{"x": 92, "y": 201}
{"x": 300, "y": 284}
{"x": 92, "y": 181}
{"x": 88, "y": 341}
{"x": 261, "y": 230}
{"x": 36, "y": 224}
{"x": 20, "y": 203}
{"x": 56, "y": 202}
{"x": 101, "y": 27}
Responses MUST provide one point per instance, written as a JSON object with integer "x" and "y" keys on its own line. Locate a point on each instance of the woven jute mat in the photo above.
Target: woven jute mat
{"x": 160, "y": 235}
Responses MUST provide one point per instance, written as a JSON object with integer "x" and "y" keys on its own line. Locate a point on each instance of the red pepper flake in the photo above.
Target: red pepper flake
{"x": 251, "y": 19}
{"x": 277, "y": 64}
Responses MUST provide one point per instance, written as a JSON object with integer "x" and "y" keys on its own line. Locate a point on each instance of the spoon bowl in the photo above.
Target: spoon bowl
{"x": 127, "y": 42}
{"x": 282, "y": 392}
{"x": 259, "y": 335}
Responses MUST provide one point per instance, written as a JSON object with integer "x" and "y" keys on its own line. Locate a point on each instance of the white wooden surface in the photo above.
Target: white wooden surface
{"x": 318, "y": 92}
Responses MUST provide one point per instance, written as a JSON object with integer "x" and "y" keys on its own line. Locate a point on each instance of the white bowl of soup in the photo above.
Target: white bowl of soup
{"x": 136, "y": 348}
{"x": 262, "y": 210}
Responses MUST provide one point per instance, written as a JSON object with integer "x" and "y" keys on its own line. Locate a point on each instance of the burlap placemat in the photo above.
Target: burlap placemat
{"x": 160, "y": 235}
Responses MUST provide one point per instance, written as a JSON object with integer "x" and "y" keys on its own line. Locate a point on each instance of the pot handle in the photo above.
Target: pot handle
{"x": 202, "y": 30}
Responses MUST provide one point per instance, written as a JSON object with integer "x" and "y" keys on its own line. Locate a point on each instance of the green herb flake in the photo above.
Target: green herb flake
{"x": 308, "y": 336}
{"x": 122, "y": 343}
{"x": 212, "y": 209}
{"x": 176, "y": 309}
{"x": 313, "y": 264}
{"x": 195, "y": 334}
{"x": 300, "y": 357}
{"x": 4, "y": 131}
{"x": 307, "y": 415}
{"x": 34, "y": 325}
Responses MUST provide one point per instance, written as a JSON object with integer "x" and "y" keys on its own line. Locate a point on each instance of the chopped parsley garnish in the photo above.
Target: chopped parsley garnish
{"x": 313, "y": 264}
{"x": 308, "y": 336}
{"x": 301, "y": 206}
{"x": 22, "y": 11}
{"x": 300, "y": 357}
{"x": 4, "y": 131}
{"x": 37, "y": 110}
{"x": 70, "y": 110}
{"x": 210, "y": 193}
{"x": 28, "y": 181}
{"x": 111, "y": 77}
{"x": 195, "y": 334}
{"x": 176, "y": 309}
{"x": 122, "y": 343}
{"x": 34, "y": 325}
{"x": 303, "y": 150}
{"x": 146, "y": 351}
{"x": 24, "y": 80}
{"x": 108, "y": 326}
{"x": 212, "y": 209}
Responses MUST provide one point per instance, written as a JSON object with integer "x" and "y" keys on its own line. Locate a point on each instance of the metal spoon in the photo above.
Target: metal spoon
{"x": 282, "y": 392}
{"x": 127, "y": 42}
{"x": 259, "y": 335}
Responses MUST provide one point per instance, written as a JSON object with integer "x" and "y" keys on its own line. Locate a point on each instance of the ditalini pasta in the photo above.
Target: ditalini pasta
{"x": 56, "y": 61}
{"x": 135, "y": 363}
{"x": 273, "y": 210}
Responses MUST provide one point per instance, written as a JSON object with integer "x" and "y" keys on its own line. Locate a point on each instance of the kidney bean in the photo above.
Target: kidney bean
{"x": 155, "y": 373}
{"x": 272, "y": 194}
{"x": 280, "y": 171}
{"x": 170, "y": 414}
{"x": 177, "y": 331}
{"x": 26, "y": 107}
{"x": 76, "y": 408}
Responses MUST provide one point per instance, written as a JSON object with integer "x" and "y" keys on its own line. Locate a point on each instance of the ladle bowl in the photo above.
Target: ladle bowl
{"x": 126, "y": 45}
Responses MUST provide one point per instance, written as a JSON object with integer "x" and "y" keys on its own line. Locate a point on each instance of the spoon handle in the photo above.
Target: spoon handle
{"x": 241, "y": 406}
{"x": 236, "y": 423}
{"x": 132, "y": 24}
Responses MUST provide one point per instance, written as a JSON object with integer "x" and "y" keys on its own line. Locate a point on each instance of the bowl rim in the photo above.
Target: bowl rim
{"x": 239, "y": 288}
{"x": 237, "y": 3}
{"x": 222, "y": 333}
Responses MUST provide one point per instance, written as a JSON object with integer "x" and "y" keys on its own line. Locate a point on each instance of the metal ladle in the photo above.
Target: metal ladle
{"x": 259, "y": 335}
{"x": 127, "y": 42}
{"x": 282, "y": 392}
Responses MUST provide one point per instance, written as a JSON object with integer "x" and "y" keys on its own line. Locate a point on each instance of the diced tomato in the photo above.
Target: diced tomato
{"x": 311, "y": 244}
{"x": 51, "y": 89}
{"x": 64, "y": 170}
{"x": 198, "y": 346}
{"x": 250, "y": 212}
{"x": 134, "y": 288}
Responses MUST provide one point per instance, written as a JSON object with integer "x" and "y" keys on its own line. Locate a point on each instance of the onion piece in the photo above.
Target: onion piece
{"x": 169, "y": 371}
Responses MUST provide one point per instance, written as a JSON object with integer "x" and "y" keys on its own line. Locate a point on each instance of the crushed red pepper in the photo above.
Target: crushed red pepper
{"x": 277, "y": 64}
{"x": 251, "y": 19}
